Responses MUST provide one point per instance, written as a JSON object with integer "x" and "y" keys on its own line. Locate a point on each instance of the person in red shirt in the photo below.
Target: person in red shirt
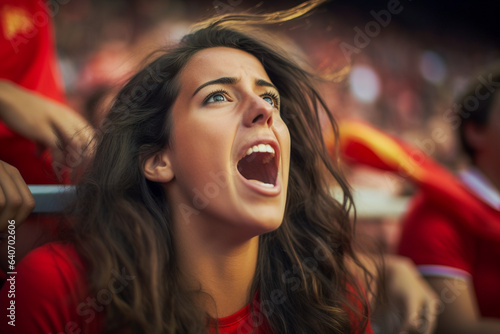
{"x": 206, "y": 205}
{"x": 205, "y": 196}
{"x": 456, "y": 245}
{"x": 32, "y": 110}
{"x": 33, "y": 120}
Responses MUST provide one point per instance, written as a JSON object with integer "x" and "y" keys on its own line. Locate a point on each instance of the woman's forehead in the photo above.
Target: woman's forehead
{"x": 212, "y": 63}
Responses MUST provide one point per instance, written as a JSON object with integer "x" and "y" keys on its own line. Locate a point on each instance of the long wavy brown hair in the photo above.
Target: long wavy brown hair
{"x": 123, "y": 221}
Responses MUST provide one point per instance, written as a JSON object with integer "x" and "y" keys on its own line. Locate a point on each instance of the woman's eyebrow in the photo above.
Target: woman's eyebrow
{"x": 232, "y": 81}
{"x": 223, "y": 81}
{"x": 261, "y": 82}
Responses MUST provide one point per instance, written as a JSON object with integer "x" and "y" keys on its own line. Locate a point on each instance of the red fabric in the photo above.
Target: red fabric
{"x": 242, "y": 322}
{"x": 27, "y": 58}
{"x": 447, "y": 224}
{"x": 50, "y": 295}
{"x": 363, "y": 144}
{"x": 437, "y": 235}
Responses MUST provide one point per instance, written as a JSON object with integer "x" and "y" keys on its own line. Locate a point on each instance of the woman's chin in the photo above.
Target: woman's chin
{"x": 265, "y": 224}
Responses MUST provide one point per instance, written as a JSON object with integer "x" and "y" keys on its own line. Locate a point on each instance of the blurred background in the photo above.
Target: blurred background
{"x": 409, "y": 60}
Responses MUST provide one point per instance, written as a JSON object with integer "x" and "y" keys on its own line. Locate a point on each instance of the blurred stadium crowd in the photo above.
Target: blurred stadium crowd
{"x": 408, "y": 60}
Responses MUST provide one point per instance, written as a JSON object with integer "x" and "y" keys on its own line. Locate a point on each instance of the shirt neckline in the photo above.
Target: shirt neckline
{"x": 234, "y": 318}
{"x": 476, "y": 182}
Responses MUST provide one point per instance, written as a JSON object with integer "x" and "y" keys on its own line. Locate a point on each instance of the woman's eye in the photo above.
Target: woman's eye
{"x": 269, "y": 100}
{"x": 216, "y": 98}
{"x": 272, "y": 99}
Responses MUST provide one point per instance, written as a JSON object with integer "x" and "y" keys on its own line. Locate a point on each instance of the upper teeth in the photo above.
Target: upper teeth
{"x": 261, "y": 148}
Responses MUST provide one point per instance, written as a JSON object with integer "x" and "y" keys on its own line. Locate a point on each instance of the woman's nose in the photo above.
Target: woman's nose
{"x": 259, "y": 112}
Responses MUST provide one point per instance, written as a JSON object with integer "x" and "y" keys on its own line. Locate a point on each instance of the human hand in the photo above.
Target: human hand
{"x": 414, "y": 298}
{"x": 16, "y": 201}
{"x": 48, "y": 123}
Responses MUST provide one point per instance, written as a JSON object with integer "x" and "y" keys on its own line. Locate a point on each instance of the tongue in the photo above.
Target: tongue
{"x": 258, "y": 166}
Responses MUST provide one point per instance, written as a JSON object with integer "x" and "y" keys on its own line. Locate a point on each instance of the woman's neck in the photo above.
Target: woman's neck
{"x": 222, "y": 267}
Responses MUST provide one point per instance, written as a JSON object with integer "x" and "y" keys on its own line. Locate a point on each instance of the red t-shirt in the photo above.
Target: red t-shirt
{"x": 436, "y": 236}
{"x": 50, "y": 297}
{"x": 243, "y": 322}
{"x": 27, "y": 58}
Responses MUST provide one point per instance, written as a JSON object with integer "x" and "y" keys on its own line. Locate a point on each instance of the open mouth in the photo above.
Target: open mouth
{"x": 259, "y": 164}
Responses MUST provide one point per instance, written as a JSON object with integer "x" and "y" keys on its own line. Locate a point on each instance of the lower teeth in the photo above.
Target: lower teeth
{"x": 267, "y": 185}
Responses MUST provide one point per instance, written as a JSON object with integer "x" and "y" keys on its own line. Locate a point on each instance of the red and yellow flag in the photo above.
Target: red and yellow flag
{"x": 363, "y": 144}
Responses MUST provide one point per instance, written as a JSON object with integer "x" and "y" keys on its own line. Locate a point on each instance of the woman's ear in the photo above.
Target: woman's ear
{"x": 157, "y": 168}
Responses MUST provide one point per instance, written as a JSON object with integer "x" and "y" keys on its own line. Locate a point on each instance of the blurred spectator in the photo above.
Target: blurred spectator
{"x": 457, "y": 246}
{"x": 33, "y": 118}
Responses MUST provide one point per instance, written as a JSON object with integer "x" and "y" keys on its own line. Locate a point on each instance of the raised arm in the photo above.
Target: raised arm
{"x": 46, "y": 122}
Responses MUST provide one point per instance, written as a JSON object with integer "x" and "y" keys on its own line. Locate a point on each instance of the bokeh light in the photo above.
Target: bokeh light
{"x": 364, "y": 83}
{"x": 432, "y": 67}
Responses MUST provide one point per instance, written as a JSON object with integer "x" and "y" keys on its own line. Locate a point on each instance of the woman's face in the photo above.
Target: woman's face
{"x": 230, "y": 151}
